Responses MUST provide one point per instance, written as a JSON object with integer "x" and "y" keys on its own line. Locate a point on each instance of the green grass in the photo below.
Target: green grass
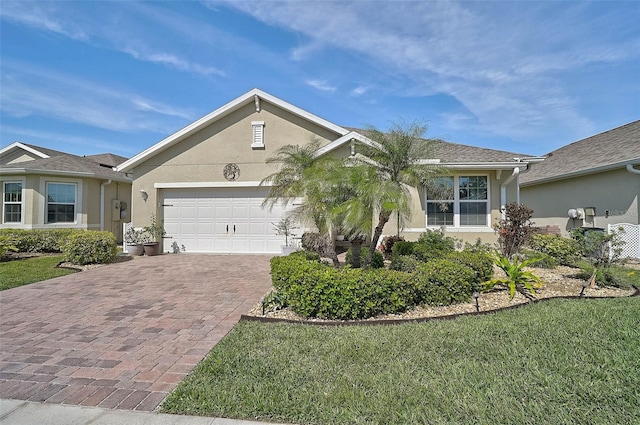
{"x": 561, "y": 361}
{"x": 16, "y": 273}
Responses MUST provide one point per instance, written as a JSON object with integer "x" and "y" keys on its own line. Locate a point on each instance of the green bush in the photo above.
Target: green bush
{"x": 313, "y": 289}
{"x": 480, "y": 262}
{"x": 403, "y": 248}
{"x": 541, "y": 259}
{"x": 433, "y": 244}
{"x": 90, "y": 247}
{"x": 6, "y": 245}
{"x": 404, "y": 263}
{"x": 443, "y": 282}
{"x": 377, "y": 262}
{"x": 38, "y": 240}
{"x": 565, "y": 250}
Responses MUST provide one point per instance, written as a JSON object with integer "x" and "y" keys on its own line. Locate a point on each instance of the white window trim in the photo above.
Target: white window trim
{"x": 22, "y": 181}
{"x": 257, "y": 134}
{"x": 43, "y": 201}
{"x": 456, "y": 206}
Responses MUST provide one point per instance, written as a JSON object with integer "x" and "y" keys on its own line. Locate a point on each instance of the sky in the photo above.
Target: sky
{"x": 89, "y": 77}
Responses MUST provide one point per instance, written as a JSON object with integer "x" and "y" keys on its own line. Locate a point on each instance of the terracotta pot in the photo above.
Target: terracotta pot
{"x": 135, "y": 250}
{"x": 151, "y": 248}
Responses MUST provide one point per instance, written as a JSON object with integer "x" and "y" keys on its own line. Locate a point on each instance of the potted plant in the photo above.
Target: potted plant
{"x": 285, "y": 227}
{"x": 155, "y": 231}
{"x": 135, "y": 238}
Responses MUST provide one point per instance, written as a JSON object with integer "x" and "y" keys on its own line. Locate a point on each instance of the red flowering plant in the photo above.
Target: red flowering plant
{"x": 515, "y": 229}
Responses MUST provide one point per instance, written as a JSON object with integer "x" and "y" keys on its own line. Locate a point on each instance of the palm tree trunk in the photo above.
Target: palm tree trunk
{"x": 330, "y": 249}
{"x": 356, "y": 251}
{"x": 383, "y": 218}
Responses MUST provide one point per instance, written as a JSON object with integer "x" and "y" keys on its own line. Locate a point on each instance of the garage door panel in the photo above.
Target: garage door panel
{"x": 203, "y": 220}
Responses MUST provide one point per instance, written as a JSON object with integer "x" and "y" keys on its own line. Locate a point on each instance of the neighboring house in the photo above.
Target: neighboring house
{"x": 593, "y": 182}
{"x": 203, "y": 181}
{"x": 47, "y": 189}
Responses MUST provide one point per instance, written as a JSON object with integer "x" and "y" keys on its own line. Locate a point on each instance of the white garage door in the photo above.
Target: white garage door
{"x": 221, "y": 220}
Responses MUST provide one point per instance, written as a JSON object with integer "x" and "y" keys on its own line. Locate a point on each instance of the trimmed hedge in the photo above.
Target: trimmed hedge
{"x": 90, "y": 247}
{"x": 480, "y": 262}
{"x": 565, "y": 250}
{"x": 38, "y": 240}
{"x": 377, "y": 261}
{"x": 313, "y": 289}
{"x": 443, "y": 282}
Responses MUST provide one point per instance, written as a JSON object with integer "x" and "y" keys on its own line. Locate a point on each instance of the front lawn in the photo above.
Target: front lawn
{"x": 18, "y": 272}
{"x": 561, "y": 361}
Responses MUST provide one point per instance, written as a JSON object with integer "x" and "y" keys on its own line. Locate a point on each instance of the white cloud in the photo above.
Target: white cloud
{"x": 359, "y": 91}
{"x": 106, "y": 28}
{"x": 27, "y": 90}
{"x": 509, "y": 64}
{"x": 321, "y": 85}
{"x": 56, "y": 140}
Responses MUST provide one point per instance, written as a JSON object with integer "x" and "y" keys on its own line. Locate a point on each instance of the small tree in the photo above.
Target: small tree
{"x": 515, "y": 229}
{"x": 285, "y": 227}
{"x": 601, "y": 249}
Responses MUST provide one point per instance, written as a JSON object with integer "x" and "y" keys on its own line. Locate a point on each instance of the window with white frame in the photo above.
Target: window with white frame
{"x": 458, "y": 201}
{"x": 258, "y": 134}
{"x": 12, "y": 202}
{"x": 61, "y": 202}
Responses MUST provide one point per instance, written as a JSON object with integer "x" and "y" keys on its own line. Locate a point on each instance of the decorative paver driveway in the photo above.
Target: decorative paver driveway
{"x": 122, "y": 336}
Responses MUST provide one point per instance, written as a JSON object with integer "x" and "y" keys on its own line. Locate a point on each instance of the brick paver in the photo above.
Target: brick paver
{"x": 122, "y": 336}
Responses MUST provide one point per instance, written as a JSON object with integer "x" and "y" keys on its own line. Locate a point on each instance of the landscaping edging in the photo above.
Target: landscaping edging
{"x": 319, "y": 322}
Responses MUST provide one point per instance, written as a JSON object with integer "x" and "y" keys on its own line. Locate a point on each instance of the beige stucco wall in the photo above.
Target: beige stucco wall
{"x": 616, "y": 191}
{"x": 202, "y": 156}
{"x": 89, "y": 196}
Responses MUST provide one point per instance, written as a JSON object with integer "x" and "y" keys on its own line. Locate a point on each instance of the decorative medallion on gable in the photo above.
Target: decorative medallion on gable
{"x": 231, "y": 171}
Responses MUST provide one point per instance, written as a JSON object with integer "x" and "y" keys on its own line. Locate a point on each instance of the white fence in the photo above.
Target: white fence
{"x": 630, "y": 235}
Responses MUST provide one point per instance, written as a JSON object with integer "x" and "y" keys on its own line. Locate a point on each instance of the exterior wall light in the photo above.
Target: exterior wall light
{"x": 144, "y": 195}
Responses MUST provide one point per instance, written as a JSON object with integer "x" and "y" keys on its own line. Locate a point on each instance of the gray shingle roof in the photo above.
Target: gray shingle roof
{"x": 46, "y": 151}
{"x": 108, "y": 159}
{"x": 67, "y": 163}
{"x": 455, "y": 153}
{"x": 605, "y": 150}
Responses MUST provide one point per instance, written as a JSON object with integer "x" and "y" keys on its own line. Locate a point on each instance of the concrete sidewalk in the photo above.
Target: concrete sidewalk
{"x": 17, "y": 412}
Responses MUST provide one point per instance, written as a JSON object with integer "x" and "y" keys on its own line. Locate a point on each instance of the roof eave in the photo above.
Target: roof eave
{"x": 579, "y": 173}
{"x": 18, "y": 145}
{"x": 17, "y": 171}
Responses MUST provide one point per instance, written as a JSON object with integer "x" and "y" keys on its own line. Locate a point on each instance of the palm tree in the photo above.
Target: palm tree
{"x": 397, "y": 157}
{"x": 304, "y": 177}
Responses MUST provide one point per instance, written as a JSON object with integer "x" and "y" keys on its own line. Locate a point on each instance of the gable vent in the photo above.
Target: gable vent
{"x": 258, "y": 134}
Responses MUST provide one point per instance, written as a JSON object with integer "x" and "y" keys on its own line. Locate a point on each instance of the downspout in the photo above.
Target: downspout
{"x": 632, "y": 170}
{"x": 503, "y": 191}
{"x": 102, "y": 185}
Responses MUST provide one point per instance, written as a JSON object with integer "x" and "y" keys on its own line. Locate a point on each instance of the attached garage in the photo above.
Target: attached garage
{"x": 221, "y": 220}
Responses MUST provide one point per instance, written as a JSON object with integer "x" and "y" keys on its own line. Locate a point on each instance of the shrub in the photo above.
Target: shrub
{"x": 6, "y": 246}
{"x": 403, "y": 248}
{"x": 387, "y": 245}
{"x": 316, "y": 290}
{"x": 377, "y": 262}
{"x": 566, "y": 251}
{"x": 480, "y": 262}
{"x": 443, "y": 282}
{"x": 39, "y": 240}
{"x": 515, "y": 230}
{"x": 314, "y": 242}
{"x": 433, "y": 244}
{"x": 404, "y": 263}
{"x": 90, "y": 247}
{"x": 540, "y": 260}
